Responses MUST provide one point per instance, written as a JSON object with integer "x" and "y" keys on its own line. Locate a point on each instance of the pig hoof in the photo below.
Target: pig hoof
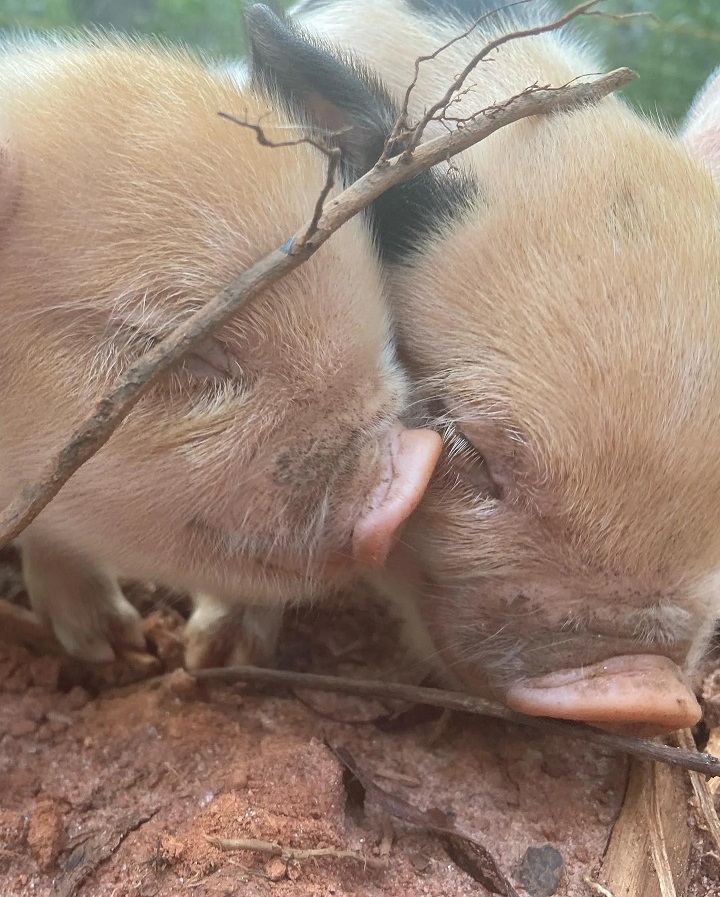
{"x": 82, "y": 602}
{"x": 218, "y": 634}
{"x": 110, "y": 632}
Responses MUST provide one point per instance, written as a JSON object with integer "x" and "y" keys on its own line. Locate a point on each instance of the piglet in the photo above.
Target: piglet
{"x": 558, "y": 305}
{"x": 273, "y": 464}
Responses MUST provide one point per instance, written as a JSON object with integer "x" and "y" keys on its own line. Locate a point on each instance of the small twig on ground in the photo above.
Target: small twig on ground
{"x": 398, "y": 777}
{"x": 466, "y": 852}
{"x": 596, "y": 887}
{"x": 289, "y": 854}
{"x": 129, "y": 388}
{"x": 705, "y": 764}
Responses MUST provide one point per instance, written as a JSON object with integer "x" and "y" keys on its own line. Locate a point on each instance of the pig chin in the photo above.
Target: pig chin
{"x": 583, "y": 669}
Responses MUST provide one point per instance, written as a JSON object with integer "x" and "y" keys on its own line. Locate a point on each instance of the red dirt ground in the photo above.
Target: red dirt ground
{"x": 109, "y": 791}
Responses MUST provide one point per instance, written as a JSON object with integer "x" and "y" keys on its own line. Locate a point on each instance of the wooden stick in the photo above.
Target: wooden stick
{"x": 649, "y": 849}
{"x": 21, "y": 626}
{"x": 638, "y": 747}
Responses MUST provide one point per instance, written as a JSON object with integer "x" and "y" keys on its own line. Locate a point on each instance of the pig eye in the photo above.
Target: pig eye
{"x": 468, "y": 463}
{"x": 208, "y": 362}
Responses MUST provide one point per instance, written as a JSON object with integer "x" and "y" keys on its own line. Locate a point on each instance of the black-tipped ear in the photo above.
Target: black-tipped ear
{"x": 332, "y": 94}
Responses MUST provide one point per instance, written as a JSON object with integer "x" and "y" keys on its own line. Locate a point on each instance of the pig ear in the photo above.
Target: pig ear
{"x": 700, "y": 131}
{"x": 335, "y": 96}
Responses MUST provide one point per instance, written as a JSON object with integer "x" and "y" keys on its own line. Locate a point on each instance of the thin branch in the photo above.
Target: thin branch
{"x": 333, "y": 155}
{"x": 402, "y": 127}
{"x": 469, "y": 854}
{"x": 129, "y": 388}
{"x": 638, "y": 747}
{"x": 288, "y": 854}
{"x": 431, "y": 112}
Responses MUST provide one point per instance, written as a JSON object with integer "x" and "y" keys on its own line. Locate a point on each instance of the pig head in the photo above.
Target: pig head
{"x": 557, "y": 300}
{"x": 272, "y": 464}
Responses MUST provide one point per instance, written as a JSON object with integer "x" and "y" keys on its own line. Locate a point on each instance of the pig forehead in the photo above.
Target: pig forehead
{"x": 481, "y": 301}
{"x": 572, "y": 325}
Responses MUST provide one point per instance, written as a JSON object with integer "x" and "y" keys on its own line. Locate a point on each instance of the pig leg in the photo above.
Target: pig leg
{"x": 222, "y": 633}
{"x": 83, "y": 604}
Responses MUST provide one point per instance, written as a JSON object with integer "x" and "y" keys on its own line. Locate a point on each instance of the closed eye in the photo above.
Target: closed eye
{"x": 210, "y": 360}
{"x": 207, "y": 360}
{"x": 468, "y": 462}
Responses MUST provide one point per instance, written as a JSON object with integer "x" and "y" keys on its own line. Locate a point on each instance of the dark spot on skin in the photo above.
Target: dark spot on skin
{"x": 519, "y": 603}
{"x": 324, "y": 463}
{"x": 626, "y": 218}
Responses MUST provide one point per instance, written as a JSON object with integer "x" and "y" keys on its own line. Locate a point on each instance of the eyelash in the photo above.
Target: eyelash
{"x": 195, "y": 377}
{"x": 468, "y": 462}
{"x": 458, "y": 445}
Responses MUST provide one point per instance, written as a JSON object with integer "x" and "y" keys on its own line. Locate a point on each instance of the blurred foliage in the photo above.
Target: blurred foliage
{"x": 674, "y": 49}
{"x": 673, "y": 45}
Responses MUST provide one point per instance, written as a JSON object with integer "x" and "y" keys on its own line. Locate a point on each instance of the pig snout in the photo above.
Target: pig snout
{"x": 620, "y": 664}
{"x": 640, "y": 694}
{"x": 409, "y": 459}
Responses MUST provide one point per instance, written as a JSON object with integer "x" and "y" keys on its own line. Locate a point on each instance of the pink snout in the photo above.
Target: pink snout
{"x": 411, "y": 458}
{"x": 638, "y": 694}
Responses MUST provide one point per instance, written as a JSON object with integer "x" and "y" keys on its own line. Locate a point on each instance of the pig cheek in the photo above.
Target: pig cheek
{"x": 458, "y": 628}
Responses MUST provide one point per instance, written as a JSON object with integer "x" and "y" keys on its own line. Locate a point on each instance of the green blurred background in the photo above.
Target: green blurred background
{"x": 673, "y": 50}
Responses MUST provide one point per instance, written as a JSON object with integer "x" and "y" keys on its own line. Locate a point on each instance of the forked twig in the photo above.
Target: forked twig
{"x": 442, "y": 104}
{"x": 288, "y": 854}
